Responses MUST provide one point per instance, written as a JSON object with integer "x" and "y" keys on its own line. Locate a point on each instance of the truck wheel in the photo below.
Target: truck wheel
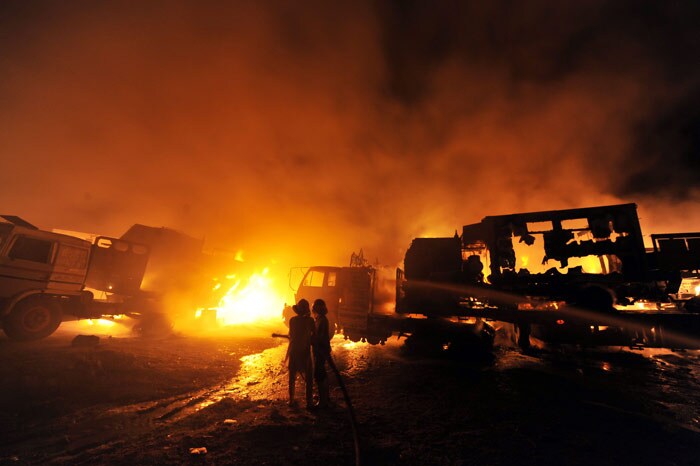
{"x": 33, "y": 318}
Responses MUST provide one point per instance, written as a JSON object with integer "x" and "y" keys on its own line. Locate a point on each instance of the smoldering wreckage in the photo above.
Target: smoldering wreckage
{"x": 612, "y": 291}
{"x": 581, "y": 277}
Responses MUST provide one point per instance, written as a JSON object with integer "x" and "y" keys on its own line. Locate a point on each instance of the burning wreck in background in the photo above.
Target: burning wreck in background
{"x": 206, "y": 288}
{"x": 294, "y": 131}
{"x": 158, "y": 276}
{"x": 606, "y": 287}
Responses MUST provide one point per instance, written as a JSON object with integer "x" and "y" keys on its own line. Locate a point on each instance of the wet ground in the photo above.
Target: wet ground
{"x": 152, "y": 401}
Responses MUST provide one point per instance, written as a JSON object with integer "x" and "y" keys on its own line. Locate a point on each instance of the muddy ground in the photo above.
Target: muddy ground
{"x": 135, "y": 401}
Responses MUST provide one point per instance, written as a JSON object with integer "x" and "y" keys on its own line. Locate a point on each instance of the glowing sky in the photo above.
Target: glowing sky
{"x": 306, "y": 130}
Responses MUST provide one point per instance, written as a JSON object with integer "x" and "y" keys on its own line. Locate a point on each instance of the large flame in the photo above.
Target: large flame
{"x": 256, "y": 301}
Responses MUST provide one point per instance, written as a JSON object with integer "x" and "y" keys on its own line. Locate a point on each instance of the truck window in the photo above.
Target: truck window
{"x": 314, "y": 278}
{"x": 31, "y": 249}
{"x": 331, "y": 279}
{"x": 71, "y": 257}
{"x": 539, "y": 227}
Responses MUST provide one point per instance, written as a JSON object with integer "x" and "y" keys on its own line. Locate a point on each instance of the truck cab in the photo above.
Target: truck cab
{"x": 347, "y": 291}
{"x": 44, "y": 276}
{"x": 32, "y": 259}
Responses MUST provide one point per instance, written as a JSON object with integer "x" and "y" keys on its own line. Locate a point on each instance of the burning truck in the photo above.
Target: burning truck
{"x": 570, "y": 276}
{"x": 47, "y": 277}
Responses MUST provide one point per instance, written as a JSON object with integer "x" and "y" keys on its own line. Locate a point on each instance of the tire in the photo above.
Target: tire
{"x": 33, "y": 318}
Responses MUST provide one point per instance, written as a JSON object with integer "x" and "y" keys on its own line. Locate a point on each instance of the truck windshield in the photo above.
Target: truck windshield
{"x": 314, "y": 278}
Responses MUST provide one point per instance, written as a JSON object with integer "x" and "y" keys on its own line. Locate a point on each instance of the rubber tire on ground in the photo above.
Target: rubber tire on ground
{"x": 32, "y": 318}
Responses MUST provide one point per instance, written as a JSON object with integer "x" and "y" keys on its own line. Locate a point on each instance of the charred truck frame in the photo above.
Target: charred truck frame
{"x": 616, "y": 269}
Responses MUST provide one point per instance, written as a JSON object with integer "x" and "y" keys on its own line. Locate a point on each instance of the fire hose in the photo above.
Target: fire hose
{"x": 348, "y": 402}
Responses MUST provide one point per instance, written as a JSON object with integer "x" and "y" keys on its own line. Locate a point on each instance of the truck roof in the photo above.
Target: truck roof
{"x": 564, "y": 214}
{"x": 49, "y": 235}
{"x": 19, "y": 221}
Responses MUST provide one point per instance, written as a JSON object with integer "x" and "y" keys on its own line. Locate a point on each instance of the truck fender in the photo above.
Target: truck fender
{"x": 9, "y": 305}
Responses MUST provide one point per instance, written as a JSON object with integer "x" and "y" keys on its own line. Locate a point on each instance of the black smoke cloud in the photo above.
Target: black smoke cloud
{"x": 666, "y": 152}
{"x": 305, "y": 131}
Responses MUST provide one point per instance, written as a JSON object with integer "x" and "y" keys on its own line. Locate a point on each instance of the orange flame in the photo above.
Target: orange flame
{"x": 255, "y": 302}
{"x": 100, "y": 326}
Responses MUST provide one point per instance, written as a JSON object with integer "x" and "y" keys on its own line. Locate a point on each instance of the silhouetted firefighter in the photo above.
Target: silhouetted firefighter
{"x": 301, "y": 331}
{"x": 322, "y": 351}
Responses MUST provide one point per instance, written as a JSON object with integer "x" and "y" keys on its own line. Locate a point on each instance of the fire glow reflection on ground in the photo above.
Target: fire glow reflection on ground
{"x": 114, "y": 325}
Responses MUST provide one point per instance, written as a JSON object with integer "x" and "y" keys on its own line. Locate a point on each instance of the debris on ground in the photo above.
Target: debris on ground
{"x": 85, "y": 341}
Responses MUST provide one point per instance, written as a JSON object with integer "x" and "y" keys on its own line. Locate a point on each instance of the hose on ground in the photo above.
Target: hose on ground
{"x": 348, "y": 402}
{"x": 351, "y": 410}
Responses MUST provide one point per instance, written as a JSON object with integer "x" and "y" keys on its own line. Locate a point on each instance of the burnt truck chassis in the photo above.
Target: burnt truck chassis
{"x": 442, "y": 295}
{"x": 443, "y": 278}
{"x": 565, "y": 325}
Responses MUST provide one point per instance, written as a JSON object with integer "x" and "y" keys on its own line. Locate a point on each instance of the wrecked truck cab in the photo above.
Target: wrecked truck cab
{"x": 37, "y": 268}
{"x": 44, "y": 277}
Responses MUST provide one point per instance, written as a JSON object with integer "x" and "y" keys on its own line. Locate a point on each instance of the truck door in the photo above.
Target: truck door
{"x": 117, "y": 266}
{"x": 69, "y": 266}
{"x": 356, "y": 297}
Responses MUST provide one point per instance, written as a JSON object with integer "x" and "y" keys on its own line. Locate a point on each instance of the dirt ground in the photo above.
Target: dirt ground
{"x": 133, "y": 400}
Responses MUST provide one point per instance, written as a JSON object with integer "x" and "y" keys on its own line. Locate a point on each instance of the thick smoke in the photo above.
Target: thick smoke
{"x": 301, "y": 132}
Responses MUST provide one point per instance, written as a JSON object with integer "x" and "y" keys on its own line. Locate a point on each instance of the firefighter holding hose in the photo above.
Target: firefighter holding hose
{"x": 322, "y": 351}
{"x": 301, "y": 331}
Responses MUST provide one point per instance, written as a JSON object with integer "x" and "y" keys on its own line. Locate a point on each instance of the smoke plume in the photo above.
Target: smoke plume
{"x": 302, "y": 132}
